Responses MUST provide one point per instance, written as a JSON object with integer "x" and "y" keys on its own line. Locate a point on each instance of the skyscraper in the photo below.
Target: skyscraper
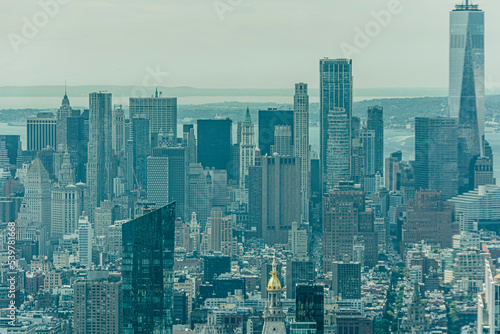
{"x": 160, "y": 111}
{"x": 282, "y": 140}
{"x": 436, "y": 155}
{"x": 338, "y": 148}
{"x": 466, "y": 89}
{"x": 141, "y": 139}
{"x": 346, "y": 282}
{"x": 247, "y": 147}
{"x": 221, "y": 232}
{"x": 280, "y": 197}
{"x": 298, "y": 270}
{"x": 178, "y": 170}
{"x": 301, "y": 144}
{"x": 158, "y": 181}
{"x": 37, "y": 194}
{"x": 310, "y": 305}
{"x": 67, "y": 206}
{"x": 268, "y": 120}
{"x": 118, "y": 131}
{"x": 100, "y": 150}
{"x": 63, "y": 113}
{"x": 214, "y": 143}
{"x": 148, "y": 272}
{"x": 85, "y": 234}
{"x": 336, "y": 85}
{"x": 376, "y": 123}
{"x": 41, "y": 131}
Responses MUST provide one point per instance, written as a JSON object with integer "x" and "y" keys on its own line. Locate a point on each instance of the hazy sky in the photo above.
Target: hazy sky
{"x": 247, "y": 44}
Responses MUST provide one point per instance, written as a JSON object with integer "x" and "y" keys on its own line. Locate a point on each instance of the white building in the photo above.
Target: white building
{"x": 85, "y": 237}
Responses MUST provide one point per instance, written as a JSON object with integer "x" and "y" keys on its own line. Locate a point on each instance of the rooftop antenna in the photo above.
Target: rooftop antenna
{"x": 65, "y": 90}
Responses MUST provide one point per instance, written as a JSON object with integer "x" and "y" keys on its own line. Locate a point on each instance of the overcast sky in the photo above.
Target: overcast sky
{"x": 243, "y": 44}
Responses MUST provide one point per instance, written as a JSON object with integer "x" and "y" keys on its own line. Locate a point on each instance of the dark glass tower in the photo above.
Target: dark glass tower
{"x": 214, "y": 143}
{"x": 310, "y": 305}
{"x": 148, "y": 271}
{"x": 268, "y": 120}
{"x": 376, "y": 123}
{"x": 436, "y": 155}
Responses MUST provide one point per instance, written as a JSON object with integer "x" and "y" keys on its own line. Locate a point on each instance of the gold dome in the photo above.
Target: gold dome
{"x": 274, "y": 282}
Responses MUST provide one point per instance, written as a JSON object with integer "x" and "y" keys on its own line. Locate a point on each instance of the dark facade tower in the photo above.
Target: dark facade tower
{"x": 268, "y": 120}
{"x": 436, "y": 155}
{"x": 336, "y": 86}
{"x": 346, "y": 281}
{"x": 376, "y": 124}
{"x": 148, "y": 272}
{"x": 310, "y": 305}
{"x": 141, "y": 139}
{"x": 214, "y": 143}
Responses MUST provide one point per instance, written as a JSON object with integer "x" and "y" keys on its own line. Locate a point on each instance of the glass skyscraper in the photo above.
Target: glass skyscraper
{"x": 466, "y": 95}
{"x": 336, "y": 85}
{"x": 148, "y": 272}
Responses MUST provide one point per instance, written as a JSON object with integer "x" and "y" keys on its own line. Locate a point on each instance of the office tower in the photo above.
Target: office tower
{"x": 85, "y": 234}
{"x": 280, "y": 197}
{"x": 477, "y": 206}
{"x": 65, "y": 174}
{"x": 337, "y": 156}
{"x": 228, "y": 284}
{"x": 436, "y": 155}
{"x": 344, "y": 218}
{"x": 160, "y": 111}
{"x": 391, "y": 169}
{"x": 100, "y": 150}
{"x": 66, "y": 208}
{"x": 10, "y": 151}
{"x": 178, "y": 170}
{"x": 336, "y": 86}
{"x": 376, "y": 123}
{"x": 301, "y": 144}
{"x": 148, "y": 272}
{"x": 214, "y": 143}
{"x": 368, "y": 141}
{"x": 429, "y": 219}
{"x": 189, "y": 141}
{"x": 215, "y": 265}
{"x": 63, "y": 113}
{"x": 483, "y": 172}
{"x": 268, "y": 120}
{"x": 98, "y": 304}
{"x": 255, "y": 203}
{"x": 247, "y": 148}
{"x": 274, "y": 318}
{"x": 346, "y": 282}
{"x": 282, "y": 141}
{"x": 310, "y": 305}
{"x": 141, "y": 139}
{"x": 118, "y": 131}
{"x": 298, "y": 270}
{"x": 157, "y": 176}
{"x": 41, "y": 131}
{"x": 77, "y": 138}
{"x": 466, "y": 89}
{"x": 105, "y": 216}
{"x": 221, "y": 233}
{"x": 297, "y": 241}
{"x": 37, "y": 194}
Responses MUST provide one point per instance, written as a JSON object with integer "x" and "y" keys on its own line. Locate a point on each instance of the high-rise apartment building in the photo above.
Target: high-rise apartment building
{"x": 436, "y": 155}
{"x": 100, "y": 150}
{"x": 98, "y": 304}
{"x": 376, "y": 123}
{"x": 336, "y": 89}
{"x": 161, "y": 113}
{"x": 338, "y": 148}
{"x": 148, "y": 272}
{"x": 301, "y": 145}
{"x": 85, "y": 234}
